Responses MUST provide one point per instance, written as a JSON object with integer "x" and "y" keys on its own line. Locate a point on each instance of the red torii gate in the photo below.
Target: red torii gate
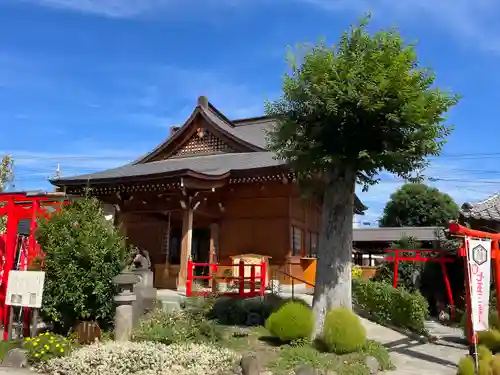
{"x": 19, "y": 206}
{"x": 423, "y": 256}
{"x": 458, "y": 229}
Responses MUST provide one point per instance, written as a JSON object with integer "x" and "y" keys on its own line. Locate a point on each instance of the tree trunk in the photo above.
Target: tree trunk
{"x": 333, "y": 272}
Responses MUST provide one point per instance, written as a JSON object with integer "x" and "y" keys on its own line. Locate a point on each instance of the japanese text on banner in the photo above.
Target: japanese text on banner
{"x": 479, "y": 262}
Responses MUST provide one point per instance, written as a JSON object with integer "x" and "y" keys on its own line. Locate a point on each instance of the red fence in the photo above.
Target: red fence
{"x": 239, "y": 281}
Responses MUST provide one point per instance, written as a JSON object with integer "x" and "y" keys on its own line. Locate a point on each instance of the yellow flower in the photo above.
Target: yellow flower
{"x": 62, "y": 350}
{"x": 46, "y": 347}
{"x": 35, "y": 343}
{"x": 28, "y": 338}
{"x": 42, "y": 352}
{"x": 58, "y": 345}
{"x": 47, "y": 333}
{"x": 37, "y": 355}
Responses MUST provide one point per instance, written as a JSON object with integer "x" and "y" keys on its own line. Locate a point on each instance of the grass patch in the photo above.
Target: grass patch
{"x": 282, "y": 359}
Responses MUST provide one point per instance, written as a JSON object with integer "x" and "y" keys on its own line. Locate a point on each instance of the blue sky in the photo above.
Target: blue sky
{"x": 92, "y": 84}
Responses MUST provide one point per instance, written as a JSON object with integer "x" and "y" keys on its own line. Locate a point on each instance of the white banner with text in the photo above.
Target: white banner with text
{"x": 479, "y": 262}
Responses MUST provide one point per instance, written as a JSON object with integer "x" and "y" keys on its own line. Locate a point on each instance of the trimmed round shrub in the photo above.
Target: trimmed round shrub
{"x": 343, "y": 332}
{"x": 292, "y": 321}
{"x": 490, "y": 339}
{"x": 484, "y": 353}
{"x": 466, "y": 366}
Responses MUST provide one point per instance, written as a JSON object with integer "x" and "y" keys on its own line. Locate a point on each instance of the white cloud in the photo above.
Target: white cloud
{"x": 453, "y": 178}
{"x": 128, "y": 9}
{"x": 473, "y": 21}
{"x": 107, "y": 8}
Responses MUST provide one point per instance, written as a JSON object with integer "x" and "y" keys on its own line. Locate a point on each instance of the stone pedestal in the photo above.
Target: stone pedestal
{"x": 124, "y": 316}
{"x": 144, "y": 291}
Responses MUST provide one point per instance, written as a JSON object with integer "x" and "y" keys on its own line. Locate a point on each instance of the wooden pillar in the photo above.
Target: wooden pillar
{"x": 187, "y": 235}
{"x": 167, "y": 235}
{"x": 214, "y": 247}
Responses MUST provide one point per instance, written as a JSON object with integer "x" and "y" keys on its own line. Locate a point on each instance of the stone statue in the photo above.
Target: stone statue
{"x": 142, "y": 260}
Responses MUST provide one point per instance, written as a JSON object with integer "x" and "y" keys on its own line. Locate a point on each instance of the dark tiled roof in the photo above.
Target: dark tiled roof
{"x": 396, "y": 233}
{"x": 210, "y": 165}
{"x": 489, "y": 209}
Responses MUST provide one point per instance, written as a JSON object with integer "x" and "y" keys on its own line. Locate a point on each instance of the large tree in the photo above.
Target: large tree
{"x": 348, "y": 112}
{"x": 418, "y": 205}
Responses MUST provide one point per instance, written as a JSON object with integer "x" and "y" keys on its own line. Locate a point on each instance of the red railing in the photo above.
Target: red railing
{"x": 239, "y": 280}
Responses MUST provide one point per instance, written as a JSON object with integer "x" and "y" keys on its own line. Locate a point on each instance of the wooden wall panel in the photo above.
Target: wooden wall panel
{"x": 145, "y": 233}
{"x": 256, "y": 208}
{"x": 258, "y": 236}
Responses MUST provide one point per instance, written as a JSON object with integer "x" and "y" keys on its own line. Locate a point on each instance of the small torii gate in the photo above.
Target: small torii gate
{"x": 460, "y": 230}
{"x": 17, "y": 207}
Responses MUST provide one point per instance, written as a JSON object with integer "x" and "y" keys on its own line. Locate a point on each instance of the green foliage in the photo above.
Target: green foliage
{"x": 292, "y": 321}
{"x": 83, "y": 254}
{"x": 291, "y": 357}
{"x": 46, "y": 346}
{"x": 173, "y": 327}
{"x": 294, "y": 356}
{"x": 491, "y": 338}
{"x": 378, "y": 351}
{"x": 246, "y": 311}
{"x": 406, "y": 270}
{"x": 363, "y": 105}
{"x": 484, "y": 353}
{"x": 343, "y": 332}
{"x": 466, "y": 366}
{"x": 387, "y": 305}
{"x": 487, "y": 365}
{"x": 419, "y": 205}
{"x": 356, "y": 272}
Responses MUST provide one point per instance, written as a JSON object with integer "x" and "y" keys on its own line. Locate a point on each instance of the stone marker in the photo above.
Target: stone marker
{"x": 305, "y": 370}
{"x": 249, "y": 365}
{"x": 372, "y": 364}
{"x": 124, "y": 315}
{"x": 15, "y": 358}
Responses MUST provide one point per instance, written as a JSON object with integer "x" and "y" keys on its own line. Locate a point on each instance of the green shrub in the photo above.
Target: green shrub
{"x": 466, "y": 366}
{"x": 252, "y": 311}
{"x": 83, "y": 254}
{"x": 169, "y": 327}
{"x": 374, "y": 349}
{"x": 343, "y": 332}
{"x": 292, "y": 321}
{"x": 490, "y": 339}
{"x": 484, "y": 353}
{"x": 492, "y": 320}
{"x": 46, "y": 346}
{"x": 386, "y": 304}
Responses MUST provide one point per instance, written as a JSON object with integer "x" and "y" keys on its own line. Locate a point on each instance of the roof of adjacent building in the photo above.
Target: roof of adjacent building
{"x": 396, "y": 233}
{"x": 488, "y": 209}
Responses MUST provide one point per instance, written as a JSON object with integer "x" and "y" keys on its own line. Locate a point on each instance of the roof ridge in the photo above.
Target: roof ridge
{"x": 490, "y": 198}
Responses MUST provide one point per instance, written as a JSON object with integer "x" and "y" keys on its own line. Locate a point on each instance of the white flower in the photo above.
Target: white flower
{"x": 144, "y": 358}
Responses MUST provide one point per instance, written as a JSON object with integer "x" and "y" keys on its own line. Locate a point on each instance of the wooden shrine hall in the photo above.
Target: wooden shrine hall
{"x": 211, "y": 191}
